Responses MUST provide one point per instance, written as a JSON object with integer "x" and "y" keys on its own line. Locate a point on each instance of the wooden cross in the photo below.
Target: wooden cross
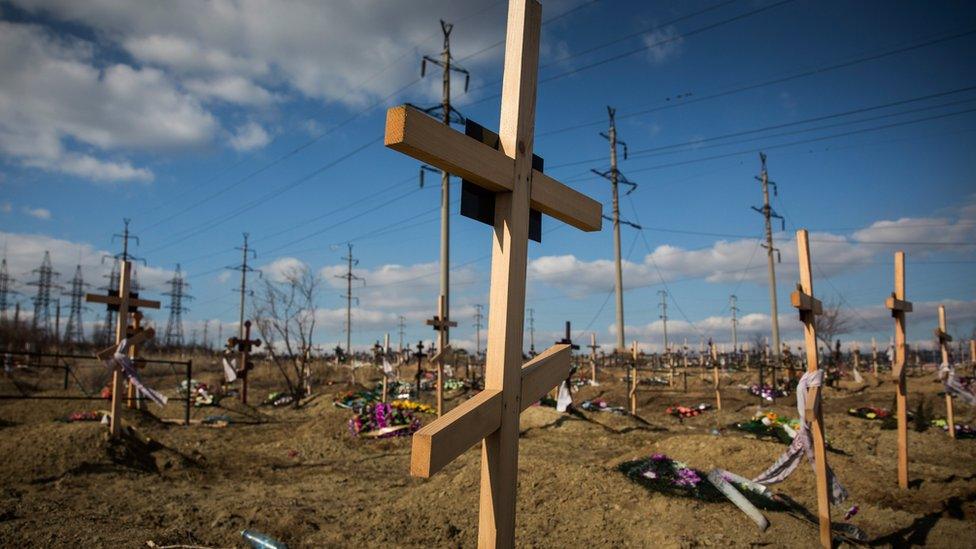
{"x": 896, "y": 302}
{"x": 716, "y": 382}
{"x": 944, "y": 338}
{"x": 593, "y": 347}
{"x": 126, "y": 302}
{"x": 633, "y": 378}
{"x": 133, "y": 353}
{"x": 244, "y": 347}
{"x": 420, "y": 354}
{"x": 809, "y": 307}
{"x": 441, "y": 325}
{"x": 492, "y": 416}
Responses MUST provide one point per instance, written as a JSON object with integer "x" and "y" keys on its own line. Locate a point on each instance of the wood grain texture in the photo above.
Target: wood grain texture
{"x": 440, "y": 441}
{"x": 547, "y": 370}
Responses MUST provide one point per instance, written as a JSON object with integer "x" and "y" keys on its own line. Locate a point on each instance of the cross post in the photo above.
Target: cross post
{"x": 492, "y": 416}
{"x": 126, "y": 303}
{"x": 441, "y": 325}
{"x": 809, "y": 307}
{"x": 632, "y": 393}
{"x": 944, "y": 339}
{"x": 131, "y": 402}
{"x": 593, "y": 347}
{"x": 244, "y": 348}
{"x": 899, "y": 307}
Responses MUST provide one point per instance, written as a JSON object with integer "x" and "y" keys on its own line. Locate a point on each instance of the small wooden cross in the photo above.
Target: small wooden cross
{"x": 441, "y": 325}
{"x": 492, "y": 416}
{"x": 632, "y": 393}
{"x": 944, "y": 338}
{"x": 244, "y": 347}
{"x": 809, "y": 307}
{"x": 125, "y": 301}
{"x": 593, "y": 347}
{"x": 420, "y": 355}
{"x": 899, "y": 307}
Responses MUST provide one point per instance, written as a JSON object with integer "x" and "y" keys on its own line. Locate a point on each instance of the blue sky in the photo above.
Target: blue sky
{"x": 203, "y": 121}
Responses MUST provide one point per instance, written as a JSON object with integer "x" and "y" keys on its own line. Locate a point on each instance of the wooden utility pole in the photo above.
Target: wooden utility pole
{"x": 531, "y": 332}
{"x": 809, "y": 306}
{"x": 478, "y": 317}
{"x": 735, "y": 326}
{"x": 768, "y": 213}
{"x": 943, "y": 337}
{"x": 899, "y": 306}
{"x": 349, "y": 276}
{"x": 247, "y": 253}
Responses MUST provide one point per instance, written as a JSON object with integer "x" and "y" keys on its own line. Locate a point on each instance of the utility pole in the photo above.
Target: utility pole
{"x": 478, "y": 317}
{"x": 664, "y": 317}
{"x": 768, "y": 213}
{"x": 74, "y": 331}
{"x": 616, "y": 177}
{"x": 5, "y": 291}
{"x": 206, "y": 337}
{"x": 349, "y": 297}
{"x": 42, "y": 301}
{"x": 448, "y": 114}
{"x": 735, "y": 327}
{"x": 246, "y": 253}
{"x": 531, "y": 332}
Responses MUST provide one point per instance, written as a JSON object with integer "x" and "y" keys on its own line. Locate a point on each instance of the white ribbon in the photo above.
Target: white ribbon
{"x": 947, "y": 374}
{"x": 121, "y": 360}
{"x": 802, "y": 443}
{"x": 564, "y": 399}
{"x": 230, "y": 370}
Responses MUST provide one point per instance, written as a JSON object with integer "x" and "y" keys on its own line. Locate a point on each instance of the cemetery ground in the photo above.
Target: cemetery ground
{"x": 298, "y": 475}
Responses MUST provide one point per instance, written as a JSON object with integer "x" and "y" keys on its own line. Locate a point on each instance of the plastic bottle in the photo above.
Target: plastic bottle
{"x": 261, "y": 541}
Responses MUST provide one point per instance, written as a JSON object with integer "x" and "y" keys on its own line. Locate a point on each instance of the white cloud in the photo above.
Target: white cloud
{"x": 232, "y": 89}
{"x": 663, "y": 44}
{"x": 250, "y": 136}
{"x": 54, "y": 92}
{"x": 280, "y": 269}
{"x": 38, "y": 213}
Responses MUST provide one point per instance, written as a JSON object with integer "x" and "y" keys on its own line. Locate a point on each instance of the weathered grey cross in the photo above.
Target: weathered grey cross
{"x": 492, "y": 416}
{"x": 124, "y": 301}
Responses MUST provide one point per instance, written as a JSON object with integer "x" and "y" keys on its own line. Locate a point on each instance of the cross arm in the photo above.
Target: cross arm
{"x": 806, "y": 302}
{"x": 896, "y": 304}
{"x": 116, "y": 300}
{"x": 415, "y": 134}
{"x": 943, "y": 337}
{"x": 544, "y": 372}
{"x": 441, "y": 353}
{"x": 439, "y": 442}
{"x": 140, "y": 337}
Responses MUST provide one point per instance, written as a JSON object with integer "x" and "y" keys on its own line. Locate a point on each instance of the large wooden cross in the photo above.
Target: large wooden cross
{"x": 125, "y": 302}
{"x": 441, "y": 325}
{"x": 244, "y": 348}
{"x": 944, "y": 338}
{"x": 809, "y": 307}
{"x": 896, "y": 302}
{"x": 492, "y": 416}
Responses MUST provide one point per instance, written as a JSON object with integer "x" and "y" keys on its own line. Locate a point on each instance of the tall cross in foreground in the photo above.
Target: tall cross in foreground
{"x": 126, "y": 303}
{"x": 492, "y": 416}
{"x": 896, "y": 302}
{"x": 809, "y": 308}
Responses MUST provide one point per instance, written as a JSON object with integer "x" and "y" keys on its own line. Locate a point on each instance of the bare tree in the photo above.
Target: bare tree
{"x": 829, "y": 325}
{"x": 285, "y": 313}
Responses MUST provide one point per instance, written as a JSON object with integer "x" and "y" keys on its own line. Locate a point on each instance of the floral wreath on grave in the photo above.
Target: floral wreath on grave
{"x": 770, "y": 425}
{"x": 768, "y": 392}
{"x": 380, "y": 420}
{"x": 685, "y": 412}
{"x": 454, "y": 384}
{"x": 870, "y": 412}
{"x": 600, "y": 405}
{"x": 653, "y": 380}
{"x": 278, "y": 398}
{"x": 962, "y": 431}
{"x": 354, "y": 400}
{"x": 413, "y": 406}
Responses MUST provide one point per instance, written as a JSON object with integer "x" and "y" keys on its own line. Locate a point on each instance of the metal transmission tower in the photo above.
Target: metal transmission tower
{"x": 42, "y": 300}
{"x": 531, "y": 332}
{"x": 448, "y": 115}
{"x": 106, "y": 332}
{"x": 74, "y": 331}
{"x": 616, "y": 177}
{"x": 401, "y": 329}
{"x": 246, "y": 252}
{"x": 664, "y": 317}
{"x": 735, "y": 324}
{"x": 5, "y": 290}
{"x": 176, "y": 293}
{"x": 768, "y": 213}
{"x": 349, "y": 297}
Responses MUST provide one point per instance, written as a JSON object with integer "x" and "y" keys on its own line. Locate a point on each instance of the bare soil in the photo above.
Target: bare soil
{"x": 299, "y": 476}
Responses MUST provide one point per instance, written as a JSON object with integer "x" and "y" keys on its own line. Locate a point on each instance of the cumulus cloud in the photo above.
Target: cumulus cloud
{"x": 38, "y": 213}
{"x": 282, "y": 268}
{"x": 54, "y": 91}
{"x": 250, "y": 136}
